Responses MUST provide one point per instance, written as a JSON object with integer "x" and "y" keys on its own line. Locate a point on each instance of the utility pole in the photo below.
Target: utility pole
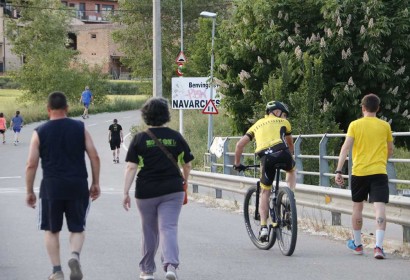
{"x": 157, "y": 56}
{"x": 181, "y": 112}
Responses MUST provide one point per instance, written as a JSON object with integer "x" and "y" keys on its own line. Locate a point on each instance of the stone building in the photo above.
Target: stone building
{"x": 90, "y": 34}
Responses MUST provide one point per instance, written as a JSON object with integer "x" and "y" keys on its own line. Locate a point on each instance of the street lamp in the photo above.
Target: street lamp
{"x": 210, "y": 116}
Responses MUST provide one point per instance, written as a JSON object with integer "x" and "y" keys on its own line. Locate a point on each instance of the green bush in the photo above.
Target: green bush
{"x": 8, "y": 83}
{"x": 129, "y": 87}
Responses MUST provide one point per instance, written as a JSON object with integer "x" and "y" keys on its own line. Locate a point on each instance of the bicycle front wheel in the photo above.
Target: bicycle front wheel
{"x": 253, "y": 224}
{"x": 287, "y": 231}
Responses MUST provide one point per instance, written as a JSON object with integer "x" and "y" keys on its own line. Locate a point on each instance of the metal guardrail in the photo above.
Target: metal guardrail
{"x": 337, "y": 201}
{"x": 324, "y": 173}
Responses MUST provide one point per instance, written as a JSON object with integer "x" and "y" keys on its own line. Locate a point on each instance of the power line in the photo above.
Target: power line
{"x": 93, "y": 10}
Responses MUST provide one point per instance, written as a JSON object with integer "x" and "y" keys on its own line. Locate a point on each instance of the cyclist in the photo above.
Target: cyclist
{"x": 274, "y": 144}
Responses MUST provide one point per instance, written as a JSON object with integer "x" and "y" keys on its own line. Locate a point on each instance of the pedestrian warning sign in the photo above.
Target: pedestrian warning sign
{"x": 181, "y": 58}
{"x": 210, "y": 108}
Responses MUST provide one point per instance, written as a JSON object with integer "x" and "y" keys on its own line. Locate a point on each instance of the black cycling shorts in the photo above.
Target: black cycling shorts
{"x": 375, "y": 187}
{"x": 269, "y": 161}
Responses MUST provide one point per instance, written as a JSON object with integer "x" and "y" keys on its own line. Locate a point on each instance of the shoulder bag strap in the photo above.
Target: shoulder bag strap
{"x": 162, "y": 147}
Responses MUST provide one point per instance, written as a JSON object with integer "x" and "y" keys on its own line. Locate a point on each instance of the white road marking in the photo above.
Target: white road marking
{"x": 123, "y": 145}
{"x": 11, "y": 177}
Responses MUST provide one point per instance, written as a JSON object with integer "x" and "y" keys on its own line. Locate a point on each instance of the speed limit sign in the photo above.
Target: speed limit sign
{"x": 179, "y": 69}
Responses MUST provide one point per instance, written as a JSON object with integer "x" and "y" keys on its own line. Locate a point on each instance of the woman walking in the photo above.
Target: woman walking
{"x": 3, "y": 127}
{"x": 159, "y": 189}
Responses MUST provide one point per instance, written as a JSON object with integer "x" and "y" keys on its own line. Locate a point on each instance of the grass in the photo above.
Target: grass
{"x": 32, "y": 112}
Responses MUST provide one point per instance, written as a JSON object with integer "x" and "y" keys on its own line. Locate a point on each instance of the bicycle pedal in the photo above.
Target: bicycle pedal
{"x": 264, "y": 238}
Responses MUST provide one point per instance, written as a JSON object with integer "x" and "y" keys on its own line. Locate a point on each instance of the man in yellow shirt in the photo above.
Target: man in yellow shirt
{"x": 372, "y": 143}
{"x": 274, "y": 144}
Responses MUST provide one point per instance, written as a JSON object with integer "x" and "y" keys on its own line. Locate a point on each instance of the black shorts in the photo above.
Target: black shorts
{"x": 52, "y": 213}
{"x": 268, "y": 162}
{"x": 2, "y": 131}
{"x": 375, "y": 187}
{"x": 115, "y": 144}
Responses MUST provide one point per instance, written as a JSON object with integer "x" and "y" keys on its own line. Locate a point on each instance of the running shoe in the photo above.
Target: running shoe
{"x": 379, "y": 253}
{"x": 263, "y": 234}
{"x": 118, "y": 160}
{"x": 76, "y": 273}
{"x": 358, "y": 250}
{"x": 146, "y": 276}
{"x": 56, "y": 276}
{"x": 171, "y": 273}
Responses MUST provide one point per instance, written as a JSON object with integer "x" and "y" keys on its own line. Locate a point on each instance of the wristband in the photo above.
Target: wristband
{"x": 338, "y": 172}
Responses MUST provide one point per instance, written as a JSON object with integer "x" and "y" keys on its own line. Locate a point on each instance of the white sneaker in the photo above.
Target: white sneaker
{"x": 171, "y": 273}
{"x": 146, "y": 276}
{"x": 263, "y": 234}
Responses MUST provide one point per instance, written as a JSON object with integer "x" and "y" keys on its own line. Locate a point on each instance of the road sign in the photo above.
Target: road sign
{"x": 179, "y": 69}
{"x": 210, "y": 108}
{"x": 181, "y": 58}
{"x": 193, "y": 93}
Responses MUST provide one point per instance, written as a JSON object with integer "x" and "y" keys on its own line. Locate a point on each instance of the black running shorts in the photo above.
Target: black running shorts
{"x": 375, "y": 187}
{"x": 52, "y": 213}
{"x": 115, "y": 144}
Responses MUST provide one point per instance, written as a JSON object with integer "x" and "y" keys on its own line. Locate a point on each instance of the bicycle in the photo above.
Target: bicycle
{"x": 282, "y": 214}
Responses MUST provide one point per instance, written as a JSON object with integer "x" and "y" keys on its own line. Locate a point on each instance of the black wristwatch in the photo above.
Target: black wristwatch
{"x": 338, "y": 172}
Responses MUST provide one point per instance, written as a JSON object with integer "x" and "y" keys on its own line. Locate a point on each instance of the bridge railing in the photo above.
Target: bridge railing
{"x": 337, "y": 201}
{"x": 221, "y": 157}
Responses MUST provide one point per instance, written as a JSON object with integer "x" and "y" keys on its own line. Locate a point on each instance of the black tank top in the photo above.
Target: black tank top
{"x": 62, "y": 153}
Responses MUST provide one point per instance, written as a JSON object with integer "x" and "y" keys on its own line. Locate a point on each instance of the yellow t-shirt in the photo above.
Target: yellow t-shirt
{"x": 369, "y": 151}
{"x": 269, "y": 132}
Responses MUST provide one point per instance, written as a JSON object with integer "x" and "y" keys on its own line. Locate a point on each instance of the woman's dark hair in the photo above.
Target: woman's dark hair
{"x": 1, "y": 115}
{"x": 155, "y": 111}
{"x": 57, "y": 101}
{"x": 17, "y": 113}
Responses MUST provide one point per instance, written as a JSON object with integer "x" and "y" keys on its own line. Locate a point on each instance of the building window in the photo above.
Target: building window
{"x": 106, "y": 11}
{"x": 93, "y": 36}
{"x": 64, "y": 3}
{"x": 97, "y": 8}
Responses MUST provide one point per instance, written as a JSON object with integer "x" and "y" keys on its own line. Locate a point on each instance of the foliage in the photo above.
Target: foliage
{"x": 8, "y": 82}
{"x": 364, "y": 47}
{"x": 129, "y": 87}
{"x": 40, "y": 36}
{"x": 137, "y": 21}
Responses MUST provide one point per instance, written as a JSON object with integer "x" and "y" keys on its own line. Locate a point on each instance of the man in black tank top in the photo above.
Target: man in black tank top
{"x": 61, "y": 143}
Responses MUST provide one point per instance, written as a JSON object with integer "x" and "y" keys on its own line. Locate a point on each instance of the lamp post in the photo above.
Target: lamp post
{"x": 210, "y": 116}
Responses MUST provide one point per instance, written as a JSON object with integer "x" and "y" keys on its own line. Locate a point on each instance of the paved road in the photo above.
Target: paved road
{"x": 213, "y": 242}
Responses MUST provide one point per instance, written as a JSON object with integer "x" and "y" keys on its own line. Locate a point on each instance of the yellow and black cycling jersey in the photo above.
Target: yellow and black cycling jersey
{"x": 270, "y": 132}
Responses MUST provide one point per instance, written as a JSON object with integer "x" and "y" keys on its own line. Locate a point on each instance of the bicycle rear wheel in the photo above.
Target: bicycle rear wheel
{"x": 287, "y": 230}
{"x": 252, "y": 224}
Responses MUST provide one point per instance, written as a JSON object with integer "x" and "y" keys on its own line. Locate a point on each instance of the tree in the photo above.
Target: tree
{"x": 135, "y": 38}
{"x": 40, "y": 35}
{"x": 363, "y": 47}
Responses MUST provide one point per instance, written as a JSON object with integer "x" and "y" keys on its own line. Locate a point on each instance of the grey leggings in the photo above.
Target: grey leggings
{"x": 159, "y": 219}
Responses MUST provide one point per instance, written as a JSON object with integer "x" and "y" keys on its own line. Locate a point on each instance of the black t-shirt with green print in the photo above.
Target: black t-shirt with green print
{"x": 157, "y": 174}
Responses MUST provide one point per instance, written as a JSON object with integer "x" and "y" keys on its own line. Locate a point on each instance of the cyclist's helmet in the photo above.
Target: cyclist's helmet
{"x": 273, "y": 105}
